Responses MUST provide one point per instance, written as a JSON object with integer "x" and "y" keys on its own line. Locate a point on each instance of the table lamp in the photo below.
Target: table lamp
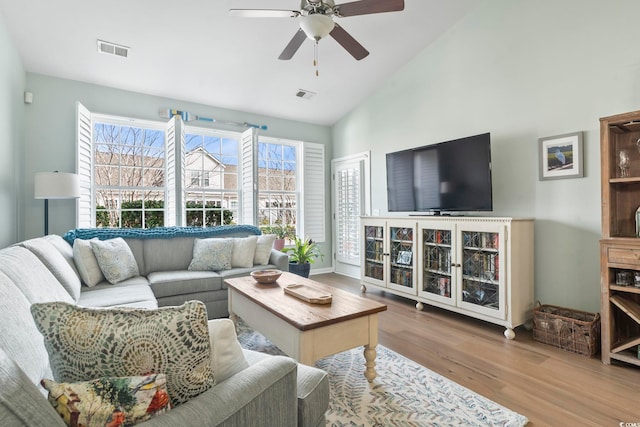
{"x": 55, "y": 185}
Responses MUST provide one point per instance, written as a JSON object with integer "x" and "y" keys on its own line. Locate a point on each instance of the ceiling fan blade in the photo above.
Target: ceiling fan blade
{"x": 365, "y": 7}
{"x": 349, "y": 43}
{"x": 293, "y": 45}
{"x": 263, "y": 13}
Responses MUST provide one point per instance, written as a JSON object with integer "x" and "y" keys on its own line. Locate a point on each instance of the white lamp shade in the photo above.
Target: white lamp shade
{"x": 316, "y": 26}
{"x": 56, "y": 185}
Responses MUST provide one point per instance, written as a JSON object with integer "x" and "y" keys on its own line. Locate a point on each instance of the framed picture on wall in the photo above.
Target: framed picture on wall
{"x": 561, "y": 156}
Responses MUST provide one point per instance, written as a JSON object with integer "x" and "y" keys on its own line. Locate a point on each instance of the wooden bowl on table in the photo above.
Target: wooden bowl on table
{"x": 266, "y": 277}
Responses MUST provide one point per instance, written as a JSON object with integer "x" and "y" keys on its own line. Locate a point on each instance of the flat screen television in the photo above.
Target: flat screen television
{"x": 449, "y": 176}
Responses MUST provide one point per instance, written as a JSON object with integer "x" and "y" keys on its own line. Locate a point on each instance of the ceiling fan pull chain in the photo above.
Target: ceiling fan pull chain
{"x": 315, "y": 57}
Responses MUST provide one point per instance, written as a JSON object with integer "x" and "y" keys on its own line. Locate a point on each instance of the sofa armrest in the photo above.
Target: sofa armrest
{"x": 262, "y": 395}
{"x": 279, "y": 259}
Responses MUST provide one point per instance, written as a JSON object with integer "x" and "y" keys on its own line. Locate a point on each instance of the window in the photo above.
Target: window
{"x": 278, "y": 183}
{"x": 129, "y": 174}
{"x": 137, "y": 173}
{"x": 211, "y": 163}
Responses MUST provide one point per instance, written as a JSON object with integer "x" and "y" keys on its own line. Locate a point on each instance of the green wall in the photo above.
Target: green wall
{"x": 50, "y": 141}
{"x": 12, "y": 78}
{"x": 521, "y": 70}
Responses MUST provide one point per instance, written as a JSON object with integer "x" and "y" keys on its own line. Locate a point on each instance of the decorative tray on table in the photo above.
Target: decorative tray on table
{"x": 308, "y": 294}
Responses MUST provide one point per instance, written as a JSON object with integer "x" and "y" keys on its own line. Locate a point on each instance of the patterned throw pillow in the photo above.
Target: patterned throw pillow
{"x": 109, "y": 401}
{"x": 88, "y": 343}
{"x": 211, "y": 254}
{"x": 115, "y": 259}
{"x": 263, "y": 249}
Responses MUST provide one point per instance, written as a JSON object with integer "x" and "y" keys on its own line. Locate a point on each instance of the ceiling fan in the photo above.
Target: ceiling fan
{"x": 316, "y": 21}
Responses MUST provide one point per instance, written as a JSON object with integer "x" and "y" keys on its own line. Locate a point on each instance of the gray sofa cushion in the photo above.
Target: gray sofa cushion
{"x": 21, "y": 403}
{"x": 109, "y": 297}
{"x": 260, "y": 396}
{"x": 165, "y": 255}
{"x": 56, "y": 263}
{"x": 20, "y": 338}
{"x": 312, "y": 390}
{"x": 169, "y": 283}
{"x": 134, "y": 292}
{"x": 31, "y": 276}
{"x": 313, "y": 396}
{"x": 137, "y": 247}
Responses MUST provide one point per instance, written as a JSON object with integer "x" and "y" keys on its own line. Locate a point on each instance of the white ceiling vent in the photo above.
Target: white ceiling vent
{"x": 305, "y": 94}
{"x": 112, "y": 49}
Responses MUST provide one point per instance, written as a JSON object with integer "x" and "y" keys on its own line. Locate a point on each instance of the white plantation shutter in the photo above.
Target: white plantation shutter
{"x": 313, "y": 200}
{"x": 180, "y": 205}
{"x": 171, "y": 208}
{"x": 84, "y": 167}
{"x": 249, "y": 176}
{"x": 349, "y": 207}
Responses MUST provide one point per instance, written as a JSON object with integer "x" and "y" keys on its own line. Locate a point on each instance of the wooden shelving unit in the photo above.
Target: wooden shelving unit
{"x": 620, "y": 245}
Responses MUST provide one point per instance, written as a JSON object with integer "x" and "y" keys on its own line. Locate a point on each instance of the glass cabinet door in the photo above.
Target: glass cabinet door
{"x": 438, "y": 282}
{"x": 482, "y": 284}
{"x": 401, "y": 258}
{"x": 373, "y": 267}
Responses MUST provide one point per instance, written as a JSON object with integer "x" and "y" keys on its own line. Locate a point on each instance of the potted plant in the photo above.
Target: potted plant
{"x": 281, "y": 232}
{"x": 301, "y": 255}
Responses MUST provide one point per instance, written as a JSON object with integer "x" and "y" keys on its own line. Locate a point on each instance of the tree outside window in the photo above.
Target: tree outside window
{"x": 129, "y": 172}
{"x": 277, "y": 185}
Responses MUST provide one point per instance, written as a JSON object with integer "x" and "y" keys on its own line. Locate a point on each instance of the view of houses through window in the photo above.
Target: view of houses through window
{"x": 211, "y": 172}
{"x": 131, "y": 175}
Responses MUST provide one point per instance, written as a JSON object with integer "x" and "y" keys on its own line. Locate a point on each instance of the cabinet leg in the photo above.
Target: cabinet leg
{"x": 509, "y": 334}
{"x": 419, "y": 306}
{"x": 363, "y": 289}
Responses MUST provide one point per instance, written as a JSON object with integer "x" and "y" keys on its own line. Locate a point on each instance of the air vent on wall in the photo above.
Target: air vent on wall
{"x": 112, "y": 49}
{"x": 305, "y": 94}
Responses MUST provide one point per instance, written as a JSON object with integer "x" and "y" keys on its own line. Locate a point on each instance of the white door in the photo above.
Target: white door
{"x": 350, "y": 201}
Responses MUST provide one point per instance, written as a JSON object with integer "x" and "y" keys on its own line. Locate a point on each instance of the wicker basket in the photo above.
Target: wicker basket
{"x": 572, "y": 330}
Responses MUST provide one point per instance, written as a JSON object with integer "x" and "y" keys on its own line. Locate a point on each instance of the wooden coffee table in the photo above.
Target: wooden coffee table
{"x": 307, "y": 332}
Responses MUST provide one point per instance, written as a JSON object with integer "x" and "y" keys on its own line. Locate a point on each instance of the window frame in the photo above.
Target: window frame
{"x": 119, "y": 121}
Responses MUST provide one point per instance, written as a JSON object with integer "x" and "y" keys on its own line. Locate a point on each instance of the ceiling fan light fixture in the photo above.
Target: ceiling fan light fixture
{"x": 316, "y": 26}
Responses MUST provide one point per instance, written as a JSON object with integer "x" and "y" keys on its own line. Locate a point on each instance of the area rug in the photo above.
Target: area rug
{"x": 403, "y": 394}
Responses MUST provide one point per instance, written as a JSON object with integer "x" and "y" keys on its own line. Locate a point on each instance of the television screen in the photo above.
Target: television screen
{"x": 449, "y": 176}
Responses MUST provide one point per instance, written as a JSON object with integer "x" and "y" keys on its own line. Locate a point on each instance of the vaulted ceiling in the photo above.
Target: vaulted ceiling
{"x": 194, "y": 51}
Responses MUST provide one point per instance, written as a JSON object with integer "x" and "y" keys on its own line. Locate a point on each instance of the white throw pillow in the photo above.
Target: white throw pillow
{"x": 244, "y": 249}
{"x": 86, "y": 262}
{"x": 115, "y": 259}
{"x": 263, "y": 249}
{"x": 227, "y": 358}
{"x": 211, "y": 254}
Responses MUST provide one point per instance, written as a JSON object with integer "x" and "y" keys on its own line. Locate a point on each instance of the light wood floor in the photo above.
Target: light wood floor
{"x": 549, "y": 386}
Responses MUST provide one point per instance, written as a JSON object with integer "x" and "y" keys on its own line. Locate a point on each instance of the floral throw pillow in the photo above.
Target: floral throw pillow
{"x": 121, "y": 401}
{"x": 88, "y": 343}
{"x": 211, "y": 254}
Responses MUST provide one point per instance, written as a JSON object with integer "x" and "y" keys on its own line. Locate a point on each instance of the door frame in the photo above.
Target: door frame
{"x": 351, "y": 270}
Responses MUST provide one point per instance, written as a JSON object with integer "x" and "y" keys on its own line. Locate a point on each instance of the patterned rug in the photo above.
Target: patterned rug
{"x": 403, "y": 394}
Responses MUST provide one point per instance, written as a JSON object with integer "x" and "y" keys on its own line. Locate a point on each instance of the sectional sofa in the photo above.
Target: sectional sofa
{"x": 163, "y": 256}
{"x": 268, "y": 391}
